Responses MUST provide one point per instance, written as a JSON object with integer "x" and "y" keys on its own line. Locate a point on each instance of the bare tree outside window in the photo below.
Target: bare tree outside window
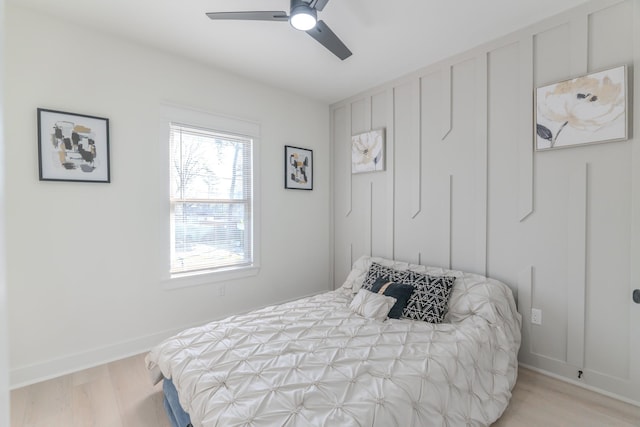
{"x": 210, "y": 198}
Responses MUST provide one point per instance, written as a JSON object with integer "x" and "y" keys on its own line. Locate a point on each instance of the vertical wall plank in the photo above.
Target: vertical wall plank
{"x": 332, "y": 201}
{"x": 579, "y": 44}
{"x": 610, "y": 32}
{"x": 361, "y": 196}
{"x": 525, "y": 291}
{"x": 345, "y": 150}
{"x": 368, "y": 112}
{"x": 546, "y": 229}
{"x": 482, "y": 119}
{"x": 577, "y": 263}
{"x": 447, "y": 95}
{"x": 391, "y": 169}
{"x": 4, "y": 305}
{"x": 382, "y": 211}
{"x": 407, "y": 164}
{"x": 610, "y": 219}
{"x": 342, "y": 198}
{"x": 634, "y": 369}
{"x": 351, "y": 260}
{"x": 502, "y": 171}
{"x": 459, "y": 157}
{"x": 417, "y": 141}
{"x": 449, "y": 249}
{"x": 361, "y": 115}
{"x": 526, "y": 138}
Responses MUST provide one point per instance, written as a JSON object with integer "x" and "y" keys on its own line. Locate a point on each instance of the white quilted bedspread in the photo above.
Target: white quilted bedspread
{"x": 313, "y": 362}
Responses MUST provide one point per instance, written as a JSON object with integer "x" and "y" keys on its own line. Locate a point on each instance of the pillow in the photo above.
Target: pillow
{"x": 377, "y": 270}
{"x": 399, "y": 291}
{"x": 429, "y": 299}
{"x": 360, "y": 268}
{"x": 357, "y": 274}
{"x": 372, "y": 306}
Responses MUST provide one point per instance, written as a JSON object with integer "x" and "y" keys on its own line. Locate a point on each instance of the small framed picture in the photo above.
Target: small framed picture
{"x": 72, "y": 147}
{"x": 298, "y": 168}
{"x": 585, "y": 110}
{"x": 367, "y": 151}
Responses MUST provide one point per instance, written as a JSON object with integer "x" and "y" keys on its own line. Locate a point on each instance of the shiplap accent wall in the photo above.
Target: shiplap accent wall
{"x": 464, "y": 189}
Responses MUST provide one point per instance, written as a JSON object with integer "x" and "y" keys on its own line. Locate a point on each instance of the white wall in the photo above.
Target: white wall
{"x": 4, "y": 331}
{"x": 84, "y": 259}
{"x": 464, "y": 189}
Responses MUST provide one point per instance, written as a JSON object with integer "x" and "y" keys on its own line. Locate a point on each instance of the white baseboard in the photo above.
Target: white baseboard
{"x": 31, "y": 374}
{"x": 581, "y": 384}
{"x": 46, "y": 370}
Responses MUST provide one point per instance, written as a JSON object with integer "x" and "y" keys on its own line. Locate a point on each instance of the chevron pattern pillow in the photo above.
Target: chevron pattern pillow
{"x": 429, "y": 301}
{"x": 377, "y": 271}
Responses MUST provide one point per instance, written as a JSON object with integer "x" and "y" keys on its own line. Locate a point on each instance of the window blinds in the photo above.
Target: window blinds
{"x": 210, "y": 198}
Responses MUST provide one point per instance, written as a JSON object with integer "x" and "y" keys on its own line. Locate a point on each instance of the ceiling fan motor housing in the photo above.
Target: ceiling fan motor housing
{"x": 302, "y": 16}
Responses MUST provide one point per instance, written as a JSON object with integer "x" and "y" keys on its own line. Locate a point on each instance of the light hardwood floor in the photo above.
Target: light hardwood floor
{"x": 120, "y": 394}
{"x": 539, "y": 400}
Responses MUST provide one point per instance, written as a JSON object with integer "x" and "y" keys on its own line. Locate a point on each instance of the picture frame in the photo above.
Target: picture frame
{"x": 368, "y": 151}
{"x": 298, "y": 168}
{"x": 73, "y": 147}
{"x": 589, "y": 109}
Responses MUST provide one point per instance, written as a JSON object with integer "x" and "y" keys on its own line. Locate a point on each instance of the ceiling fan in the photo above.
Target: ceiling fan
{"x": 303, "y": 16}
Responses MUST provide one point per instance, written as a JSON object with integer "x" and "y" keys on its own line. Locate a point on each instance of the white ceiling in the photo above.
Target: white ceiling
{"x": 388, "y": 38}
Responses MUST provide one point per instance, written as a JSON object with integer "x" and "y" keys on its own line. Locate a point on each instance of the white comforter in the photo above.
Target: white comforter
{"x": 314, "y": 362}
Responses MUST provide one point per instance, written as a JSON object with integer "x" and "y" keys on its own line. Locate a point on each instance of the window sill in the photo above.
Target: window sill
{"x": 184, "y": 280}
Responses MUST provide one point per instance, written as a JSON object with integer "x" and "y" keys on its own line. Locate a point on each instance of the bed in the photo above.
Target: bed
{"x": 328, "y": 360}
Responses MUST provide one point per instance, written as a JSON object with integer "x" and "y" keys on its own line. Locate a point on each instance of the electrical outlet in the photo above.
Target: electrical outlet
{"x": 221, "y": 291}
{"x": 536, "y": 316}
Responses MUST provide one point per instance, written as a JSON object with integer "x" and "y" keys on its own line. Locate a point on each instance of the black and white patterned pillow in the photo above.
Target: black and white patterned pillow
{"x": 377, "y": 270}
{"x": 429, "y": 301}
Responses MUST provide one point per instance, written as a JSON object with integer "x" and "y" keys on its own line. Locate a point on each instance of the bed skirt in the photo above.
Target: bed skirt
{"x": 177, "y": 415}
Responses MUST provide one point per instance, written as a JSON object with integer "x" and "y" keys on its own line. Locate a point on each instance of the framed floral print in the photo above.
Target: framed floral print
{"x": 585, "y": 110}
{"x": 367, "y": 151}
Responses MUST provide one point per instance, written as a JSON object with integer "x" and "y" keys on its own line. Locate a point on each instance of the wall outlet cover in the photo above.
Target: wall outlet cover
{"x": 536, "y": 316}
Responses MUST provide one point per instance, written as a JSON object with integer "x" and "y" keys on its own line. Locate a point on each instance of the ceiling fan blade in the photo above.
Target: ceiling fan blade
{"x": 250, "y": 16}
{"x": 319, "y": 4}
{"x": 327, "y": 38}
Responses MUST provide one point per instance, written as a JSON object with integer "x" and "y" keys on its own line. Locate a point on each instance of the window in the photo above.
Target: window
{"x": 211, "y": 200}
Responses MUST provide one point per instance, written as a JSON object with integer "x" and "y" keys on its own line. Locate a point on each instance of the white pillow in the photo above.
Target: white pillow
{"x": 372, "y": 306}
{"x": 358, "y": 273}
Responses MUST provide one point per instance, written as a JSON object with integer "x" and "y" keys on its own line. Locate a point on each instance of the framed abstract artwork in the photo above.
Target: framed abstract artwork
{"x": 586, "y": 110}
{"x": 367, "y": 151}
{"x": 72, "y": 147}
{"x": 298, "y": 168}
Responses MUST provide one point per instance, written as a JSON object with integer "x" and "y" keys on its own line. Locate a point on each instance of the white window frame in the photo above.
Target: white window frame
{"x": 171, "y": 113}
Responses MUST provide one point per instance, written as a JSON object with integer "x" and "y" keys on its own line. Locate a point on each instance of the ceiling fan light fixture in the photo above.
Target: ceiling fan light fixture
{"x": 303, "y": 17}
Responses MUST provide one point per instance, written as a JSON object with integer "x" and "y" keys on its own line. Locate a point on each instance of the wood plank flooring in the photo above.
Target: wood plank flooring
{"x": 539, "y": 400}
{"x": 119, "y": 394}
